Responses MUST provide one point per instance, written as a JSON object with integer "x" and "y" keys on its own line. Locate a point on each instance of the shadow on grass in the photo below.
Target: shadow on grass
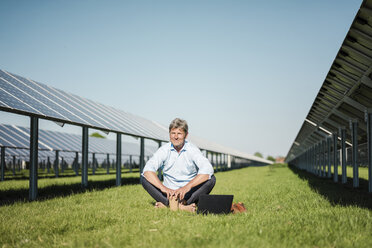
{"x": 338, "y": 193}
{"x": 8, "y": 197}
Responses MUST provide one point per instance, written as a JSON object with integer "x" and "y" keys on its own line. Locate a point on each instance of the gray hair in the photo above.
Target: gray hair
{"x": 179, "y": 123}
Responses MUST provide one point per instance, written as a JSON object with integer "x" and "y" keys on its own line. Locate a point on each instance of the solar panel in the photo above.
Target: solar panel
{"x": 18, "y": 137}
{"x": 59, "y": 141}
{"x": 9, "y": 152}
{"x": 9, "y": 99}
{"x": 29, "y": 99}
{"x": 12, "y": 138}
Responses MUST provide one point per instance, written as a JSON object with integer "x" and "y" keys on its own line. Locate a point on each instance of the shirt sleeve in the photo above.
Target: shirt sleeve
{"x": 156, "y": 161}
{"x": 203, "y": 164}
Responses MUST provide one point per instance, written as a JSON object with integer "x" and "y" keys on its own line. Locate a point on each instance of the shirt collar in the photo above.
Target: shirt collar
{"x": 184, "y": 148}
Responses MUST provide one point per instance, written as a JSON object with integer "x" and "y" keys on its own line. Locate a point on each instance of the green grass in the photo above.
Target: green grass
{"x": 363, "y": 172}
{"x": 286, "y": 208}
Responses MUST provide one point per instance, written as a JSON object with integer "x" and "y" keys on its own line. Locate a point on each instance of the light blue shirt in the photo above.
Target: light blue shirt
{"x": 179, "y": 168}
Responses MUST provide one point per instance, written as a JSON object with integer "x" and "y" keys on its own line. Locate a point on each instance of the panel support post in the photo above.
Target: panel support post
{"x": 325, "y": 142}
{"x": 94, "y": 163}
{"x": 2, "y": 162}
{"x": 108, "y": 164}
{"x": 225, "y": 160}
{"x": 319, "y": 158}
{"x": 314, "y": 159}
{"x": 369, "y": 142}
{"x": 307, "y": 159}
{"x": 324, "y": 151}
{"x": 335, "y": 161}
{"x": 354, "y": 138}
{"x": 214, "y": 162}
{"x": 229, "y": 161}
{"x": 84, "y": 159}
{"x": 218, "y": 161}
{"x": 329, "y": 141}
{"x": 130, "y": 163}
{"x": 343, "y": 154}
{"x": 160, "y": 174}
{"x": 34, "y": 141}
{"x": 48, "y": 165}
{"x": 63, "y": 165}
{"x": 14, "y": 164}
{"x": 56, "y": 164}
{"x": 321, "y": 152}
{"x": 76, "y": 168}
{"x": 118, "y": 159}
{"x": 308, "y": 166}
{"x": 311, "y": 159}
{"x": 142, "y": 155}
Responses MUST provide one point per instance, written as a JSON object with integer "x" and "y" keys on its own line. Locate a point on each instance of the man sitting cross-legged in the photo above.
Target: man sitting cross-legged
{"x": 187, "y": 173}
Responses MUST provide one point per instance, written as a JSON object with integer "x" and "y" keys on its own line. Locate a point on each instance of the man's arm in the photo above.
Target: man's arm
{"x": 149, "y": 172}
{"x": 199, "y": 179}
{"x": 154, "y": 180}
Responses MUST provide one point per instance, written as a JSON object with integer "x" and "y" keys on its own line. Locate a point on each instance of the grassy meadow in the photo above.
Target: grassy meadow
{"x": 286, "y": 208}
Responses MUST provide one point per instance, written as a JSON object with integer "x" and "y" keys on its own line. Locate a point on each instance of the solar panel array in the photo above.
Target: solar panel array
{"x": 25, "y": 96}
{"x": 12, "y": 136}
{"x": 211, "y": 146}
{"x": 346, "y": 93}
{"x": 25, "y": 155}
{"x": 217, "y": 148}
{"x": 69, "y": 157}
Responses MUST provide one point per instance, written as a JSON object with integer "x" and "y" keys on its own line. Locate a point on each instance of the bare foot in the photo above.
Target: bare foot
{"x": 160, "y": 205}
{"x": 173, "y": 203}
{"x": 189, "y": 208}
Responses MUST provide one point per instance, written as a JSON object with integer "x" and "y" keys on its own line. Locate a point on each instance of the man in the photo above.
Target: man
{"x": 187, "y": 173}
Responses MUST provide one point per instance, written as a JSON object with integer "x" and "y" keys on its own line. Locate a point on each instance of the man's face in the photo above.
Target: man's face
{"x": 177, "y": 137}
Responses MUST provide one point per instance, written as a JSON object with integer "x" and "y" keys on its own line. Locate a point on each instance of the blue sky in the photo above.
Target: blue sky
{"x": 242, "y": 73}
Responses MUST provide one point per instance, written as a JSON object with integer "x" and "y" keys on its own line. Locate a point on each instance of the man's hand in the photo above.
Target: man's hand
{"x": 168, "y": 191}
{"x": 200, "y": 178}
{"x": 154, "y": 180}
{"x": 181, "y": 192}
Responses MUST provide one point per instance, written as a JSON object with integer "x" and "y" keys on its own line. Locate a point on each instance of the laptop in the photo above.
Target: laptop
{"x": 214, "y": 204}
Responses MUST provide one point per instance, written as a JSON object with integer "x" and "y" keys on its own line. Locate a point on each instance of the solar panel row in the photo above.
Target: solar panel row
{"x": 22, "y": 95}
{"x": 346, "y": 92}
{"x": 25, "y": 96}
{"x": 29, "y": 97}
{"x": 341, "y": 114}
{"x": 24, "y": 155}
{"x": 19, "y": 137}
